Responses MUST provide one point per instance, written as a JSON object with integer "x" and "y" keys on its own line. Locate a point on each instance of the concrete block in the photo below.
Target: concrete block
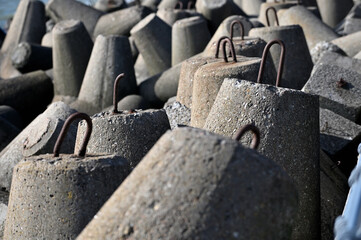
{"x": 189, "y": 37}
{"x": 276, "y": 5}
{"x": 72, "y": 47}
{"x": 2, "y": 36}
{"x": 110, "y": 6}
{"x": 130, "y": 134}
{"x": 130, "y": 102}
{"x": 153, "y": 39}
{"x": 7, "y": 132}
{"x": 3, "y": 213}
{"x": 333, "y": 11}
{"x": 37, "y": 138}
{"x": 289, "y": 123}
{"x": 352, "y": 25}
{"x": 350, "y": 44}
{"x": 60, "y": 10}
{"x": 250, "y": 7}
{"x": 170, "y": 15}
{"x": 314, "y": 29}
{"x": 141, "y": 70}
{"x": 28, "y": 57}
{"x": 134, "y": 49}
{"x": 185, "y": 190}
{"x": 178, "y": 114}
{"x": 171, "y": 4}
{"x": 324, "y": 47}
{"x": 298, "y": 63}
{"x": 47, "y": 40}
{"x": 11, "y": 115}
{"x": 120, "y": 22}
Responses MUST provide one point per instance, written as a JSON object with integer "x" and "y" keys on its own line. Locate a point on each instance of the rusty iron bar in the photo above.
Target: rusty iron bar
{"x": 231, "y": 46}
{"x": 115, "y": 93}
{"x": 65, "y": 128}
{"x": 267, "y": 16}
{"x": 190, "y": 5}
{"x": 241, "y": 28}
{"x": 180, "y": 5}
{"x": 218, "y": 45}
{"x": 256, "y": 134}
{"x": 280, "y": 65}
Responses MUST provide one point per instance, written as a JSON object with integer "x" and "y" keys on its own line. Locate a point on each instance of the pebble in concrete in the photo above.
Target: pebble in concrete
{"x": 153, "y": 39}
{"x": 189, "y": 37}
{"x": 208, "y": 80}
{"x": 120, "y": 22}
{"x": 28, "y": 94}
{"x": 110, "y": 56}
{"x": 37, "y": 138}
{"x": 323, "y": 47}
{"x": 158, "y": 89}
{"x": 333, "y": 11}
{"x": 61, "y": 193}
{"x": 215, "y": 11}
{"x": 178, "y": 114}
{"x": 339, "y": 138}
{"x": 338, "y": 88}
{"x": 185, "y": 190}
{"x": 350, "y": 44}
{"x": 28, "y": 57}
{"x": 314, "y": 29}
{"x": 289, "y": 122}
{"x": 60, "y": 10}
{"x": 298, "y": 63}
{"x": 72, "y": 47}
{"x": 130, "y": 134}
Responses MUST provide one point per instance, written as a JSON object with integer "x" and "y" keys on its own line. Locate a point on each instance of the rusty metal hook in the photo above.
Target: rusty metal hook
{"x": 231, "y": 46}
{"x": 256, "y": 134}
{"x": 190, "y": 4}
{"x": 280, "y": 65}
{"x": 115, "y": 93}
{"x": 180, "y": 5}
{"x": 218, "y": 45}
{"x": 241, "y": 28}
{"x": 276, "y": 16}
{"x": 65, "y": 128}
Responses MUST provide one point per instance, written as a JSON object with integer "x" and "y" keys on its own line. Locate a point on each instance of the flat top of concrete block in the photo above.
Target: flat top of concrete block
{"x": 189, "y": 21}
{"x": 21, "y": 52}
{"x": 241, "y": 61}
{"x": 144, "y": 22}
{"x": 66, "y": 26}
{"x": 276, "y": 28}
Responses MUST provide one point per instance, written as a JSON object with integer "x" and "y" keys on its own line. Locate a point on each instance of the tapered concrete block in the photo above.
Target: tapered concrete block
{"x": 276, "y": 5}
{"x": 120, "y": 22}
{"x": 250, "y": 7}
{"x": 72, "y": 47}
{"x": 350, "y": 44}
{"x": 338, "y": 88}
{"x": 134, "y": 49}
{"x": 130, "y": 134}
{"x": 333, "y": 11}
{"x": 28, "y": 94}
{"x": 178, "y": 114}
{"x": 37, "y": 138}
{"x": 153, "y": 39}
{"x": 170, "y": 15}
{"x": 60, "y": 10}
{"x": 185, "y": 189}
{"x": 215, "y": 11}
{"x": 352, "y": 25}
{"x": 130, "y": 102}
{"x": 141, "y": 70}
{"x": 189, "y": 37}
{"x": 47, "y": 40}
{"x": 111, "y": 55}
{"x": 314, "y": 29}
{"x": 298, "y": 63}
{"x": 322, "y": 48}
{"x": 158, "y": 89}
{"x": 289, "y": 123}
{"x": 28, "y": 57}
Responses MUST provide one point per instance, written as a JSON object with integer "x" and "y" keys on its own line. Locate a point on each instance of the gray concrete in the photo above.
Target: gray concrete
{"x": 110, "y": 6}
{"x": 350, "y": 44}
{"x": 153, "y": 39}
{"x": 209, "y": 78}
{"x": 72, "y": 46}
{"x": 345, "y": 100}
{"x": 314, "y": 29}
{"x": 333, "y": 11}
{"x": 47, "y": 40}
{"x": 186, "y": 190}
{"x": 7, "y": 132}
{"x": 189, "y": 37}
{"x": 289, "y": 124}
{"x": 111, "y": 56}
{"x": 130, "y": 135}
{"x": 60, "y": 10}
{"x": 130, "y": 102}
{"x": 37, "y": 138}
{"x": 170, "y": 15}
{"x": 352, "y": 25}
{"x": 250, "y": 7}
{"x": 224, "y": 29}
{"x": 55, "y": 197}
{"x": 170, "y": 4}
{"x": 28, "y": 57}
{"x": 141, "y": 70}
{"x": 278, "y": 6}
{"x": 298, "y": 63}
{"x": 134, "y": 49}
{"x": 28, "y": 94}
{"x": 178, "y": 114}
{"x": 358, "y": 55}
{"x": 215, "y": 11}
{"x": 66, "y": 99}
{"x": 11, "y": 115}
{"x": 322, "y": 48}
{"x": 3, "y": 212}
{"x": 120, "y": 22}
{"x": 158, "y": 89}
{"x": 332, "y": 58}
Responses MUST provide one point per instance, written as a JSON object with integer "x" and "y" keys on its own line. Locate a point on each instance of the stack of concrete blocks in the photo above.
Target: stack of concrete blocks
{"x": 71, "y": 52}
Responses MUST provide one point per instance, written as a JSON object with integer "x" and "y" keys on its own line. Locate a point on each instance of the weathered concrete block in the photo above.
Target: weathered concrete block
{"x": 323, "y": 47}
{"x": 185, "y": 190}
{"x": 11, "y": 115}
{"x": 350, "y": 44}
{"x": 352, "y": 25}
{"x": 178, "y": 114}
{"x": 47, "y": 40}
{"x": 333, "y": 11}
{"x": 110, "y": 6}
{"x": 3, "y": 213}
{"x": 127, "y": 134}
{"x": 141, "y": 70}
{"x": 7, "y": 132}
{"x": 130, "y": 102}
{"x": 120, "y": 22}
{"x": 37, "y": 138}
{"x": 170, "y": 15}
{"x": 276, "y": 5}
{"x": 215, "y": 11}
{"x": 250, "y": 7}
{"x": 289, "y": 122}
